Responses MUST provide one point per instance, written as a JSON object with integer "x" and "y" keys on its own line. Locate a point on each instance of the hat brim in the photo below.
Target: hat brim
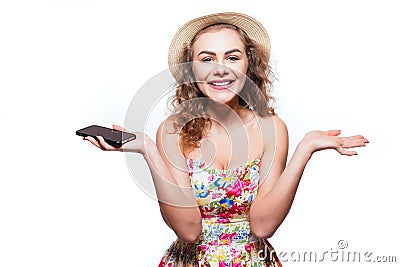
{"x": 253, "y": 28}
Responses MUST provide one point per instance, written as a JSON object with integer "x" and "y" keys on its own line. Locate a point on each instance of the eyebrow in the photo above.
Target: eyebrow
{"x": 213, "y": 53}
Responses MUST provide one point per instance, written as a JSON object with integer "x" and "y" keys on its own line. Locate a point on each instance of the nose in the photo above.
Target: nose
{"x": 220, "y": 70}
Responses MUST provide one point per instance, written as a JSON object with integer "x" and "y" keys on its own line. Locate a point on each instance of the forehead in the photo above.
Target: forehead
{"x": 219, "y": 40}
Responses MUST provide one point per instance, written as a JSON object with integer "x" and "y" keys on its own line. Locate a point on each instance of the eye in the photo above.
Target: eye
{"x": 233, "y": 58}
{"x": 207, "y": 59}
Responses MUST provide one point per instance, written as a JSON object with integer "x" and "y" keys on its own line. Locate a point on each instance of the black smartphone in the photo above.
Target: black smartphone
{"x": 113, "y": 137}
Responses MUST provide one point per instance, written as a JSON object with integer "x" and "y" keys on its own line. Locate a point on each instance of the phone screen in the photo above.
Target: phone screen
{"x": 113, "y": 137}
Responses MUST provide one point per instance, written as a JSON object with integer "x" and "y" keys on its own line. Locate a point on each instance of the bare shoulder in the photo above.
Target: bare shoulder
{"x": 273, "y": 125}
{"x": 280, "y": 125}
{"x": 167, "y": 134}
{"x": 275, "y": 135}
{"x": 167, "y": 127}
{"x": 168, "y": 142}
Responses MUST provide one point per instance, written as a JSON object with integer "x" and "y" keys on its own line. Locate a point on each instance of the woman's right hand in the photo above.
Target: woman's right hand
{"x": 137, "y": 145}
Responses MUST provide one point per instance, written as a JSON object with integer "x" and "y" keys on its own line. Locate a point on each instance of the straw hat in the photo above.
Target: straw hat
{"x": 186, "y": 33}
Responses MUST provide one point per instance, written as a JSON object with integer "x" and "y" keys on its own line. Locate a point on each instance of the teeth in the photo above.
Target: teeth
{"x": 221, "y": 83}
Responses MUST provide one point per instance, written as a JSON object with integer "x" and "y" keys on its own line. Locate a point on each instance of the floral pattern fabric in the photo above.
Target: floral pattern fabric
{"x": 224, "y": 198}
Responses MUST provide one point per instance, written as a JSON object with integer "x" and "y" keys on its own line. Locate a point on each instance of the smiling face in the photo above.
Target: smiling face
{"x": 220, "y": 64}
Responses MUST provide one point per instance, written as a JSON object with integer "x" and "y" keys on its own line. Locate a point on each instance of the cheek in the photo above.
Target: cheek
{"x": 241, "y": 72}
{"x": 202, "y": 87}
{"x": 244, "y": 68}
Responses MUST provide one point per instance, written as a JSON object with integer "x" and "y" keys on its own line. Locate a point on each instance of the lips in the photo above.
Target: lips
{"x": 221, "y": 84}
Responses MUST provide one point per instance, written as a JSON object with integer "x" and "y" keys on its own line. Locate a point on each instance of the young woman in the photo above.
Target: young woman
{"x": 219, "y": 164}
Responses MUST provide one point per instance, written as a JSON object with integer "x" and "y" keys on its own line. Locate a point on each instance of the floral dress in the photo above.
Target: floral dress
{"x": 224, "y": 198}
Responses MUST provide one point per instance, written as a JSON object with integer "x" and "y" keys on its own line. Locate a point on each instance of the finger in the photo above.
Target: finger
{"x": 353, "y": 142}
{"x": 333, "y": 132}
{"x": 120, "y": 128}
{"x": 360, "y": 137}
{"x": 357, "y": 137}
{"x": 345, "y": 152}
{"x": 104, "y": 144}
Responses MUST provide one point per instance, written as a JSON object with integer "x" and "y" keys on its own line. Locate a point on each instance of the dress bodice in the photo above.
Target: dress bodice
{"x": 224, "y": 195}
{"x": 224, "y": 198}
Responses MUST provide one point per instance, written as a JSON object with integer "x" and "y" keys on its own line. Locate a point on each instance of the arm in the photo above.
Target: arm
{"x": 179, "y": 208}
{"x": 177, "y": 203}
{"x": 276, "y": 193}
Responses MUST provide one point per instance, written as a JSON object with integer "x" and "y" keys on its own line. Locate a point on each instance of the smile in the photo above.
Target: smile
{"x": 221, "y": 84}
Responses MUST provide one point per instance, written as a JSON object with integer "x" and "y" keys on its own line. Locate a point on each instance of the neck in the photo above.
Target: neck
{"x": 225, "y": 113}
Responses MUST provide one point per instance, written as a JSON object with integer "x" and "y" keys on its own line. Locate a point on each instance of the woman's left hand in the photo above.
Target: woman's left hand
{"x": 320, "y": 140}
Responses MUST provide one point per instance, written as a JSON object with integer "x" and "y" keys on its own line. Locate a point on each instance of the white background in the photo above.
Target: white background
{"x": 67, "y": 64}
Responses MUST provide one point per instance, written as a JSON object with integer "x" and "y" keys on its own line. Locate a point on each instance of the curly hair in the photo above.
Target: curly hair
{"x": 191, "y": 119}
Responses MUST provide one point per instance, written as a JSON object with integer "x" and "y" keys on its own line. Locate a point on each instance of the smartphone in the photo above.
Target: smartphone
{"x": 113, "y": 137}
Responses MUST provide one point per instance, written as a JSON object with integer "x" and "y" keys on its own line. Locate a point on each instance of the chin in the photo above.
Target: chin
{"x": 223, "y": 101}
{"x": 221, "y": 97}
